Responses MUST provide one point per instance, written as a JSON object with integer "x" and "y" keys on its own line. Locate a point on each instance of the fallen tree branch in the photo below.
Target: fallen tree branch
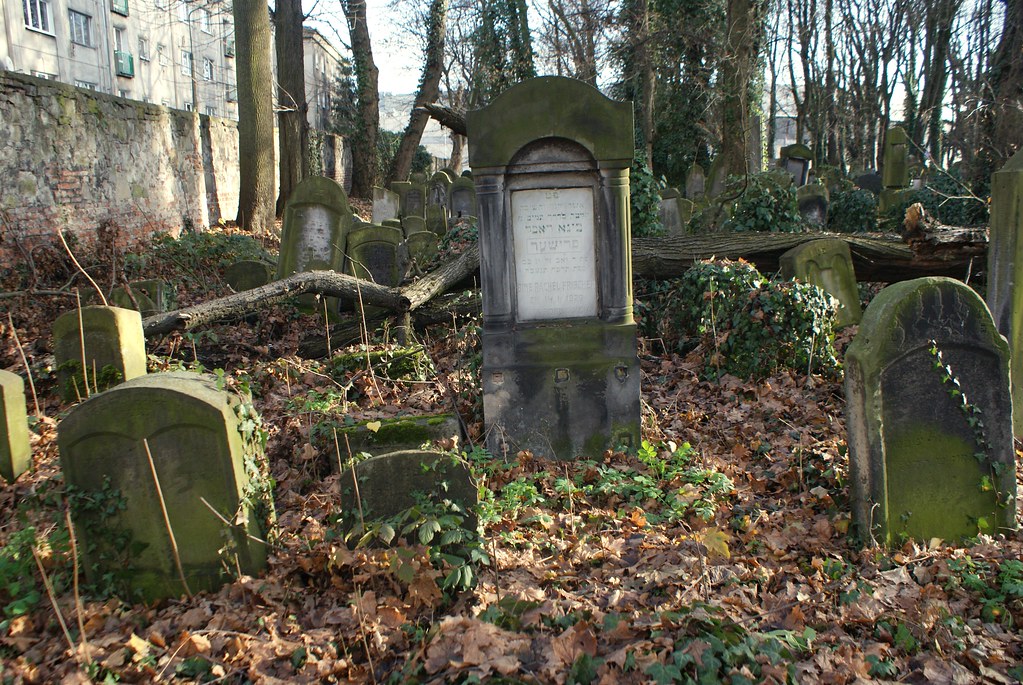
{"x": 447, "y": 117}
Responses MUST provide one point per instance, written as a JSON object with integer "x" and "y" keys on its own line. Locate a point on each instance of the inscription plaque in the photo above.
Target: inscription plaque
{"x": 555, "y": 257}
{"x": 314, "y": 245}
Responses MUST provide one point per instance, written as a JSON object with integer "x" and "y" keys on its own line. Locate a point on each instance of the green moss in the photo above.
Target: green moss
{"x": 27, "y": 186}
{"x": 402, "y": 431}
{"x": 398, "y": 363}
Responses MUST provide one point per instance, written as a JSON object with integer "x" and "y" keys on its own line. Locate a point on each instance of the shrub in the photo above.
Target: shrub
{"x": 750, "y": 325}
{"x": 644, "y": 198}
{"x": 766, "y": 202}
{"x": 852, "y": 210}
{"x": 945, "y": 197}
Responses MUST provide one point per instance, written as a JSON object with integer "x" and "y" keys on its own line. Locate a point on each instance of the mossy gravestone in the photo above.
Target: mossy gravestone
{"x": 147, "y": 297}
{"x": 248, "y": 274}
{"x": 438, "y": 189}
{"x": 390, "y": 484}
{"x": 895, "y": 172}
{"x": 422, "y": 247}
{"x": 115, "y": 349}
{"x": 412, "y": 198}
{"x": 813, "y": 204}
{"x": 827, "y": 264}
{"x": 550, "y": 159}
{"x": 696, "y": 182}
{"x": 930, "y": 441}
{"x": 373, "y": 254}
{"x": 437, "y": 220}
{"x": 15, "y": 450}
{"x": 462, "y": 198}
{"x": 203, "y": 446}
{"x": 674, "y": 211}
{"x": 398, "y": 433}
{"x": 796, "y": 160}
{"x": 317, "y": 220}
{"x": 414, "y": 224}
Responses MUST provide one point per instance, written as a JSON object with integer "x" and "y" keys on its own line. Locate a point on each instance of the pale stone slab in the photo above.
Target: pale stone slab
{"x": 15, "y": 449}
{"x": 386, "y": 205}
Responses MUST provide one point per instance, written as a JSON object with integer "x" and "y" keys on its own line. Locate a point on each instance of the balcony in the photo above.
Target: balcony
{"x": 119, "y": 6}
{"x": 228, "y": 47}
{"x": 124, "y": 63}
{"x": 232, "y": 94}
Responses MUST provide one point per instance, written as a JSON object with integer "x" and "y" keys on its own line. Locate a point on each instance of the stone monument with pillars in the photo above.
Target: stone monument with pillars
{"x": 550, "y": 159}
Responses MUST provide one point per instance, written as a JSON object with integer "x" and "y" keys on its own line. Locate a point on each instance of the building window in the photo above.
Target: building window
{"x": 85, "y": 84}
{"x": 37, "y": 15}
{"x": 81, "y": 28}
{"x": 162, "y": 4}
{"x": 211, "y": 111}
{"x": 144, "y": 49}
{"x": 126, "y": 94}
{"x": 183, "y": 12}
{"x": 205, "y": 24}
{"x": 207, "y": 69}
{"x": 161, "y": 55}
{"x": 43, "y": 74}
{"x": 119, "y": 39}
{"x": 186, "y": 63}
{"x": 188, "y": 106}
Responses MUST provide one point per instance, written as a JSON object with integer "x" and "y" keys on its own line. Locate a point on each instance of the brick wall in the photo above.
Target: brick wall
{"x": 74, "y": 159}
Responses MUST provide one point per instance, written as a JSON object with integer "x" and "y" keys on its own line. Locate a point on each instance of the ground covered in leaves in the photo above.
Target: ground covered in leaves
{"x": 719, "y": 552}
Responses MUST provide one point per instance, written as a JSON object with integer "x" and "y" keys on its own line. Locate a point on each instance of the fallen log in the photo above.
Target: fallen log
{"x": 446, "y": 117}
{"x": 875, "y": 258}
{"x": 925, "y": 235}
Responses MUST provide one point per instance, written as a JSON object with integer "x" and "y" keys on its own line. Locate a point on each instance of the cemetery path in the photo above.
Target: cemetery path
{"x": 720, "y": 550}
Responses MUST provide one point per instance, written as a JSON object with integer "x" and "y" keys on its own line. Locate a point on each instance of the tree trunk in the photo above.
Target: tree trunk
{"x": 429, "y": 91}
{"x": 743, "y": 45}
{"x": 292, "y": 120}
{"x": 255, "y": 116}
{"x": 364, "y": 141}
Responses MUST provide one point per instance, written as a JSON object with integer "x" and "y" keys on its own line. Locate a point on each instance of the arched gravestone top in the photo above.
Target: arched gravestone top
{"x": 462, "y": 198}
{"x": 796, "y": 151}
{"x": 913, "y": 452}
{"x": 316, "y": 221}
{"x": 195, "y": 435}
{"x": 373, "y": 254}
{"x": 827, "y": 264}
{"x": 526, "y": 113}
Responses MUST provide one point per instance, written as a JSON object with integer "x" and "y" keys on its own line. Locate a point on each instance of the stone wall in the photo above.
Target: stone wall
{"x": 76, "y": 159}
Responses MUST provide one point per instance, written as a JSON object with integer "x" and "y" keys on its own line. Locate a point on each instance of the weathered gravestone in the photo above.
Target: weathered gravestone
{"x": 672, "y": 213}
{"x": 827, "y": 264}
{"x": 696, "y": 183}
{"x": 422, "y": 247}
{"x": 147, "y": 297}
{"x": 895, "y": 172}
{"x": 390, "y": 484}
{"x": 398, "y": 433}
{"x": 115, "y": 349}
{"x": 373, "y": 254}
{"x": 386, "y": 205}
{"x": 203, "y": 447}
{"x": 930, "y": 440}
{"x": 15, "y": 449}
{"x": 796, "y": 160}
{"x": 462, "y": 200}
{"x": 717, "y": 178}
{"x": 248, "y": 274}
{"x": 393, "y": 223}
{"x": 414, "y": 224}
{"x": 870, "y": 181}
{"x": 1005, "y": 270}
{"x": 813, "y": 204}
{"x": 550, "y": 158}
{"x": 437, "y": 220}
{"x": 438, "y": 189}
{"x": 317, "y": 220}
{"x": 413, "y": 199}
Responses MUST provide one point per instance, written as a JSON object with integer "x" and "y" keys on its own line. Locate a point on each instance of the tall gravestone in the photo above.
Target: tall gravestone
{"x": 921, "y": 465}
{"x": 422, "y": 247}
{"x": 114, "y": 348}
{"x": 414, "y": 224}
{"x": 717, "y": 177}
{"x": 827, "y": 264}
{"x": 201, "y": 451}
{"x": 550, "y": 159}
{"x": 412, "y": 198}
{"x": 672, "y": 213}
{"x": 462, "y": 199}
{"x": 895, "y": 173}
{"x": 696, "y": 182}
{"x": 317, "y": 220}
{"x": 373, "y": 254}
{"x": 438, "y": 189}
{"x": 1005, "y": 269}
{"x": 796, "y": 160}
{"x": 437, "y": 220}
{"x": 386, "y": 205}
{"x": 15, "y": 449}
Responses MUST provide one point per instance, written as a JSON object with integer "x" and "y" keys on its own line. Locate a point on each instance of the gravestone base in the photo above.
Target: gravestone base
{"x": 561, "y": 390}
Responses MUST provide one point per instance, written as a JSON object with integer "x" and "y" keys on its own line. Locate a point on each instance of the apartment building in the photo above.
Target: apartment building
{"x": 176, "y": 53}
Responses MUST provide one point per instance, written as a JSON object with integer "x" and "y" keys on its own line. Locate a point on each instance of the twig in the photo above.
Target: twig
{"x": 228, "y": 523}
{"x": 78, "y": 597}
{"x": 355, "y": 481}
{"x": 166, "y": 519}
{"x": 53, "y": 600}
{"x": 28, "y": 369}
{"x": 102, "y": 297}
{"x": 326, "y": 324}
{"x": 81, "y": 338}
{"x": 362, "y": 631}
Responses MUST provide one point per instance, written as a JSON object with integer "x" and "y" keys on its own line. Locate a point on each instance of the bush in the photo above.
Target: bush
{"x": 767, "y": 204}
{"x": 945, "y": 197}
{"x": 852, "y": 210}
{"x": 751, "y": 326}
{"x": 644, "y": 198}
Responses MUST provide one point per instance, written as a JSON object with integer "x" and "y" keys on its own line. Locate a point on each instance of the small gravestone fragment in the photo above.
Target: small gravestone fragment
{"x": 437, "y": 220}
{"x": 414, "y": 224}
{"x": 147, "y": 297}
{"x": 115, "y": 349}
{"x": 930, "y": 437}
{"x": 813, "y": 204}
{"x": 392, "y": 483}
{"x": 373, "y": 254}
{"x": 462, "y": 199}
{"x": 15, "y": 449}
{"x": 827, "y": 264}
{"x": 206, "y": 458}
{"x": 696, "y": 182}
{"x": 248, "y": 274}
{"x": 796, "y": 160}
{"x": 386, "y": 205}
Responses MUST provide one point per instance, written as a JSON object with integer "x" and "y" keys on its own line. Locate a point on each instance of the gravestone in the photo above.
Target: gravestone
{"x": 438, "y": 189}
{"x": 414, "y": 224}
{"x": 15, "y": 449}
{"x": 466, "y": 173}
{"x": 422, "y": 247}
{"x": 870, "y": 181}
{"x": 248, "y": 274}
{"x": 1005, "y": 270}
{"x": 813, "y": 204}
{"x": 317, "y": 220}
{"x": 918, "y": 468}
{"x": 437, "y": 220}
{"x": 419, "y": 178}
{"x": 462, "y": 200}
{"x": 393, "y": 223}
{"x": 398, "y": 434}
{"x": 373, "y": 254}
{"x": 895, "y": 172}
{"x": 717, "y": 178}
{"x": 148, "y": 297}
{"x": 827, "y": 264}
{"x": 671, "y": 212}
{"x": 796, "y": 160}
{"x": 115, "y": 348}
{"x": 391, "y": 483}
{"x": 202, "y": 448}
{"x": 386, "y": 205}
{"x": 550, "y": 159}
{"x": 696, "y": 182}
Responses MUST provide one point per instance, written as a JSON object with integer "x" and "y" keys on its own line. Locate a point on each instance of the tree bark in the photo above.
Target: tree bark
{"x": 364, "y": 141}
{"x": 255, "y": 116}
{"x": 292, "y": 120}
{"x": 447, "y": 117}
{"x": 429, "y": 91}
{"x": 744, "y": 42}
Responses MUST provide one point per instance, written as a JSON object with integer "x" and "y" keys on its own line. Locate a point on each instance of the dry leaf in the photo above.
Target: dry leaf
{"x": 716, "y": 542}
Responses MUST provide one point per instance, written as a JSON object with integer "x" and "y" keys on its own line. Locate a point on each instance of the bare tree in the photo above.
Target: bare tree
{"x": 292, "y": 108}
{"x": 364, "y": 139}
